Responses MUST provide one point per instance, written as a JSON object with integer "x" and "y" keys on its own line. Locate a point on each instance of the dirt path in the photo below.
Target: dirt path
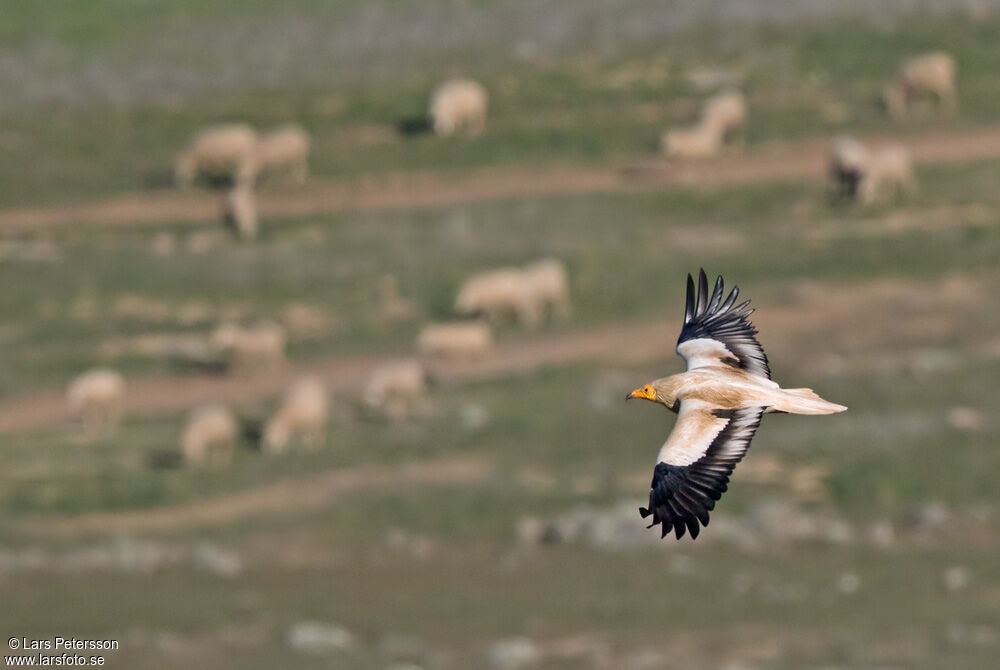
{"x": 821, "y": 320}
{"x": 896, "y": 308}
{"x": 341, "y": 374}
{"x": 766, "y": 162}
{"x": 299, "y": 494}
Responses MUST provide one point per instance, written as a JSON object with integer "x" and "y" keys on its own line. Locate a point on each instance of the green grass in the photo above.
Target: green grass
{"x": 887, "y": 448}
{"x": 473, "y": 590}
{"x": 626, "y": 255}
{"x": 885, "y": 456}
{"x": 554, "y": 439}
{"x": 575, "y": 109}
{"x": 626, "y": 601}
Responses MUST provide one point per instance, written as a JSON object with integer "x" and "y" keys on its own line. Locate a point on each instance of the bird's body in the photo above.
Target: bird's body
{"x": 719, "y": 400}
{"x": 724, "y": 387}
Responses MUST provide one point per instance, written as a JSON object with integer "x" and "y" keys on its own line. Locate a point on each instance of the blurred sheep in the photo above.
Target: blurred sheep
{"x": 549, "y": 283}
{"x": 396, "y": 390}
{"x": 302, "y": 417}
{"x": 239, "y": 211}
{"x": 928, "y": 75}
{"x": 889, "y": 174}
{"x": 210, "y": 436}
{"x": 699, "y": 141}
{"x": 500, "y": 293}
{"x": 97, "y": 397}
{"x": 467, "y": 339}
{"x": 218, "y": 151}
{"x": 848, "y": 162}
{"x": 459, "y": 104}
{"x": 284, "y": 149}
{"x": 727, "y": 113}
{"x": 261, "y": 345}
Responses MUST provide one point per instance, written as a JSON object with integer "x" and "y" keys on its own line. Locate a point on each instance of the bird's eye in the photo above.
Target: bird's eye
{"x": 648, "y": 390}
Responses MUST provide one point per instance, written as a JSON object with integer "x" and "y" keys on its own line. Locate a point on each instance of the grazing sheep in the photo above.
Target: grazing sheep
{"x": 889, "y": 173}
{"x": 397, "y": 390}
{"x": 218, "y": 151}
{"x": 302, "y": 416}
{"x": 848, "y": 162}
{"x": 726, "y": 112}
{"x": 699, "y": 141}
{"x": 239, "y": 211}
{"x": 97, "y": 397}
{"x": 459, "y": 104}
{"x": 469, "y": 339}
{"x": 262, "y": 345}
{"x": 284, "y": 149}
{"x": 928, "y": 75}
{"x": 210, "y": 436}
{"x": 549, "y": 283}
{"x": 498, "y": 294}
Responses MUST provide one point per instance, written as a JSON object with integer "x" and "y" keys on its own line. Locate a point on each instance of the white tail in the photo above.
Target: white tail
{"x": 803, "y": 401}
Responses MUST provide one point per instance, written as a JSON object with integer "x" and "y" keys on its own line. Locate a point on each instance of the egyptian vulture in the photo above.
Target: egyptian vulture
{"x": 719, "y": 402}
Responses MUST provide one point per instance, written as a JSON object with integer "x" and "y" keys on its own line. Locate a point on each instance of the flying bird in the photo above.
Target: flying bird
{"x": 719, "y": 402}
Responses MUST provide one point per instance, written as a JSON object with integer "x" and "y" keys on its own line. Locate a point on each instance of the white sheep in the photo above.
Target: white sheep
{"x": 500, "y": 293}
{"x": 702, "y": 140}
{"x": 284, "y": 149}
{"x": 466, "y": 339}
{"x": 396, "y": 390}
{"x": 548, "y": 281}
{"x": 219, "y": 151}
{"x": 239, "y": 211}
{"x": 302, "y": 417}
{"x": 890, "y": 173}
{"x": 97, "y": 397}
{"x": 459, "y": 104}
{"x": 726, "y": 112}
{"x": 848, "y": 162}
{"x": 928, "y": 75}
{"x": 209, "y": 436}
{"x": 257, "y": 346}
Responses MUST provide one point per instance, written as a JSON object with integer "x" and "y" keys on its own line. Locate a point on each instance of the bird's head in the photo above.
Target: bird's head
{"x": 646, "y": 392}
{"x": 660, "y": 391}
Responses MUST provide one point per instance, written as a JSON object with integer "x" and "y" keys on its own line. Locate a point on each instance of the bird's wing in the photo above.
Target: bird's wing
{"x": 718, "y": 331}
{"x": 695, "y": 463}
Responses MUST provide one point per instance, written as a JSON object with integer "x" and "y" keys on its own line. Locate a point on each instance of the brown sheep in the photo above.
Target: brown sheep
{"x": 218, "y": 151}
{"x": 302, "y": 416}
{"x": 467, "y": 339}
{"x": 396, "y": 390}
{"x": 210, "y": 436}
{"x": 928, "y": 75}
{"x": 284, "y": 149}
{"x": 848, "y": 162}
{"x": 889, "y": 173}
{"x": 459, "y": 104}
{"x": 548, "y": 281}
{"x": 239, "y": 211}
{"x": 97, "y": 397}
{"x": 727, "y": 113}
{"x": 259, "y": 346}
{"x": 498, "y": 294}
{"x": 702, "y": 140}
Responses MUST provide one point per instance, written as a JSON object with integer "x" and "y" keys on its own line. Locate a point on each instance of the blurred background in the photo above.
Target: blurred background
{"x": 317, "y": 319}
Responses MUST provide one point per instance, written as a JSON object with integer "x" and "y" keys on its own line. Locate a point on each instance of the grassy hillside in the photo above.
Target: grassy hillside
{"x": 862, "y": 540}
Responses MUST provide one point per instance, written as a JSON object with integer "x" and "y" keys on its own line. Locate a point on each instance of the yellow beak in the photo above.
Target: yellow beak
{"x": 644, "y": 392}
